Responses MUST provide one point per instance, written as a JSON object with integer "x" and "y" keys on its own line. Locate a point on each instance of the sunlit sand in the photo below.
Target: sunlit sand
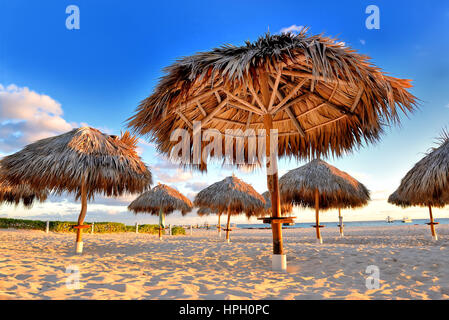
{"x": 139, "y": 266}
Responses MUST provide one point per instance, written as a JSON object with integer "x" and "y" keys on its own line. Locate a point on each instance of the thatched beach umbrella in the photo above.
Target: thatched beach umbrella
{"x": 205, "y": 211}
{"x": 232, "y": 196}
{"x": 322, "y": 186}
{"x": 84, "y": 162}
{"x": 427, "y": 183}
{"x": 161, "y": 200}
{"x": 312, "y": 95}
{"x": 20, "y": 194}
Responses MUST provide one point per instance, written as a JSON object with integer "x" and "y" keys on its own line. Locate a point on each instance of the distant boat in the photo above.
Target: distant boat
{"x": 407, "y": 220}
{"x": 390, "y": 219}
{"x": 288, "y": 224}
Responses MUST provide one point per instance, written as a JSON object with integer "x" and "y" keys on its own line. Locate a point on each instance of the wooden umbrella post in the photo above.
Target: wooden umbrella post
{"x": 432, "y": 225}
{"x": 317, "y": 217}
{"x": 279, "y": 260}
{"x": 160, "y": 224}
{"x": 340, "y": 219}
{"x": 228, "y": 225}
{"x": 79, "y": 241}
{"x": 219, "y": 226}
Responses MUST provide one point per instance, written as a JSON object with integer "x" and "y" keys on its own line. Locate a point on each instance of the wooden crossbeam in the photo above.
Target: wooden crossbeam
{"x": 294, "y": 101}
{"x": 198, "y": 103}
{"x": 256, "y": 96}
{"x": 307, "y": 75}
{"x": 295, "y": 122}
{"x": 275, "y": 89}
{"x": 244, "y": 102}
{"x": 217, "y": 95}
{"x": 288, "y": 97}
{"x": 184, "y": 118}
{"x": 217, "y": 109}
{"x": 248, "y": 120}
{"x": 197, "y": 98}
{"x": 243, "y": 107}
{"x": 357, "y": 99}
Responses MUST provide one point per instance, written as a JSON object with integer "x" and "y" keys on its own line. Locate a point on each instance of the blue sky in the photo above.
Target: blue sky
{"x": 53, "y": 79}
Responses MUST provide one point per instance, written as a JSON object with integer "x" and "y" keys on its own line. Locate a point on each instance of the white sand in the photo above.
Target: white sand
{"x": 139, "y": 266}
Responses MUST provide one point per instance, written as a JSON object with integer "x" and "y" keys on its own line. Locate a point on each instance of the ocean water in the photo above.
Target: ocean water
{"x": 381, "y": 223}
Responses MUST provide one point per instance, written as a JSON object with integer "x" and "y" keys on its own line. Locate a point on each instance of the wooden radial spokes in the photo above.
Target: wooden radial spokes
{"x": 299, "y": 103}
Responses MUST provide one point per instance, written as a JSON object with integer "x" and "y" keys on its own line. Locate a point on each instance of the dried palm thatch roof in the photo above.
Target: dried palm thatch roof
{"x": 20, "y": 194}
{"x": 233, "y": 194}
{"x": 336, "y": 188}
{"x": 205, "y": 211}
{"x": 427, "y": 183}
{"x": 106, "y": 164}
{"x": 161, "y": 197}
{"x": 325, "y": 98}
{"x": 286, "y": 208}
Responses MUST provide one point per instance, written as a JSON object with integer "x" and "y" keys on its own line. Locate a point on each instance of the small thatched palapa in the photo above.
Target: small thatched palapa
{"x": 161, "y": 198}
{"x": 321, "y": 96}
{"x": 427, "y": 183}
{"x": 322, "y": 186}
{"x": 83, "y": 161}
{"x": 21, "y": 194}
{"x": 233, "y": 196}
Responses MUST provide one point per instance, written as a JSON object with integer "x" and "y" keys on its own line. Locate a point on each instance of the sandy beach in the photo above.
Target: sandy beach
{"x": 139, "y": 266}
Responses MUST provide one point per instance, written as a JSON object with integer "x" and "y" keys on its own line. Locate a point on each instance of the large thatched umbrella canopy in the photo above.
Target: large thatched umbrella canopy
{"x": 233, "y": 196}
{"x": 321, "y": 96}
{"x": 427, "y": 183}
{"x": 20, "y": 194}
{"x": 84, "y": 162}
{"x": 322, "y": 186}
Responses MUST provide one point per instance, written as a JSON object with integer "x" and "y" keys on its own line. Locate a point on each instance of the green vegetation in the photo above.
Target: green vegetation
{"x": 99, "y": 227}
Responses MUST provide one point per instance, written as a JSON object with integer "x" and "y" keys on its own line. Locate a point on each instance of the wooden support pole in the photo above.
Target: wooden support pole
{"x": 191, "y": 230}
{"x": 92, "y": 229}
{"x": 137, "y": 227}
{"x": 317, "y": 216}
{"x": 228, "y": 225}
{"x": 47, "y": 227}
{"x": 340, "y": 220}
{"x": 432, "y": 224}
{"x": 79, "y": 240}
{"x": 219, "y": 226}
{"x": 272, "y": 175}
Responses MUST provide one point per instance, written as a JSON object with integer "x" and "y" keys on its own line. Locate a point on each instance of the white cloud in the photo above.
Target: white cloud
{"x": 292, "y": 29}
{"x": 178, "y": 176}
{"x": 27, "y": 116}
{"x": 362, "y": 41}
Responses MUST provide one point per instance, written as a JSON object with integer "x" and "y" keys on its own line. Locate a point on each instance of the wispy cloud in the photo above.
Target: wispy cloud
{"x": 292, "y": 29}
{"x": 26, "y": 116}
